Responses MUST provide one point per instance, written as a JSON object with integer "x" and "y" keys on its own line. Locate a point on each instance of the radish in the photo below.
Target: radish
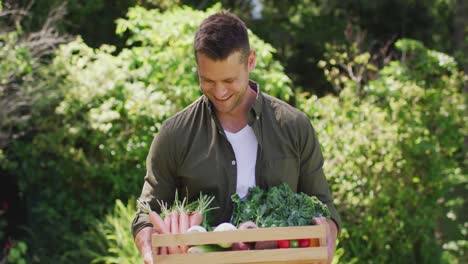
{"x": 205, "y": 249}
{"x": 245, "y": 245}
{"x": 196, "y": 229}
{"x": 225, "y": 227}
{"x": 159, "y": 224}
{"x": 196, "y": 219}
{"x": 266, "y": 244}
{"x": 155, "y": 219}
{"x": 179, "y": 217}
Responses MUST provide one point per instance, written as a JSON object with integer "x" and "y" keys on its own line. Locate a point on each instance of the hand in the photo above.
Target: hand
{"x": 148, "y": 258}
{"x": 143, "y": 243}
{"x": 331, "y": 234}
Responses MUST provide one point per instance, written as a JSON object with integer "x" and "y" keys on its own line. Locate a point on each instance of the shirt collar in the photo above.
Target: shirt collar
{"x": 256, "y": 110}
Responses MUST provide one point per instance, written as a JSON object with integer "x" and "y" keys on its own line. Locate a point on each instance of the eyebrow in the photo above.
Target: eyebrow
{"x": 227, "y": 79}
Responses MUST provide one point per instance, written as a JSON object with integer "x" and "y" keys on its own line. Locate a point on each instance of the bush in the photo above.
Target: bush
{"x": 393, "y": 155}
{"x": 91, "y": 142}
{"x": 111, "y": 240}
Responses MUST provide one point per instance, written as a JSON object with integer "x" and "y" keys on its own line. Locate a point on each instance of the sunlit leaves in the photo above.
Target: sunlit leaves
{"x": 392, "y": 150}
{"x": 111, "y": 104}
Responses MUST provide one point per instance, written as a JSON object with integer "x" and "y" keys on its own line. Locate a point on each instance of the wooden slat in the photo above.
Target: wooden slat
{"x": 323, "y": 242}
{"x": 260, "y": 234}
{"x": 291, "y": 255}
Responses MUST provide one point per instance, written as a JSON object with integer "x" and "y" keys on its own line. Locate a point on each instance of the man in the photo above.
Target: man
{"x": 232, "y": 138}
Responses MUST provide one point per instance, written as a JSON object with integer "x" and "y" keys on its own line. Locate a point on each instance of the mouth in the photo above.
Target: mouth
{"x": 222, "y": 99}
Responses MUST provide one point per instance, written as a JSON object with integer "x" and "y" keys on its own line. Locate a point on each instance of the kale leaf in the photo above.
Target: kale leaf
{"x": 278, "y": 206}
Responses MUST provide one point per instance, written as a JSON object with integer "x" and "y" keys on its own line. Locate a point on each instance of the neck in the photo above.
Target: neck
{"x": 236, "y": 120}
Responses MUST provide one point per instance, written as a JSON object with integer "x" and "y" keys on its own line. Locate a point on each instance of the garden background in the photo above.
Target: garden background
{"x": 85, "y": 86}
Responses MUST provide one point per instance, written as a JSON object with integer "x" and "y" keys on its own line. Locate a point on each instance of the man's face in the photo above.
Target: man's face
{"x": 225, "y": 82}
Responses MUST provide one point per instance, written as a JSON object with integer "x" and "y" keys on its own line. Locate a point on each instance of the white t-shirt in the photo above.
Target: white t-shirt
{"x": 244, "y": 144}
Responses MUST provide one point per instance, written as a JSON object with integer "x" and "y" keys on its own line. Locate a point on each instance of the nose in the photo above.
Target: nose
{"x": 220, "y": 91}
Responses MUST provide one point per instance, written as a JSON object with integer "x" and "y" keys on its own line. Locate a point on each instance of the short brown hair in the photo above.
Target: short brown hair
{"x": 220, "y": 35}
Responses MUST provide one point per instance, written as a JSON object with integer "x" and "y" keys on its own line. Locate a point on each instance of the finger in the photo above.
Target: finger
{"x": 163, "y": 251}
{"x": 316, "y": 220}
{"x": 148, "y": 258}
{"x": 319, "y": 220}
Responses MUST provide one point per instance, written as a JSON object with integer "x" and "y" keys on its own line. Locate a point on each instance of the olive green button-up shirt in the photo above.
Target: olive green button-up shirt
{"x": 192, "y": 154}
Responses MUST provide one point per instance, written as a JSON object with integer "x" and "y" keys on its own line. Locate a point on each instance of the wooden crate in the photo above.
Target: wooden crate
{"x": 289, "y": 255}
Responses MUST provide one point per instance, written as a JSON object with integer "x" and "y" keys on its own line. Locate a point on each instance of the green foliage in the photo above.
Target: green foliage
{"x": 17, "y": 253}
{"x": 161, "y": 4}
{"x": 392, "y": 139}
{"x": 278, "y": 206}
{"x": 428, "y": 21}
{"x": 155, "y": 32}
{"x": 17, "y": 83}
{"x": 110, "y": 239}
{"x": 392, "y": 155}
{"x": 426, "y": 67}
{"x": 93, "y": 134}
{"x": 298, "y": 29}
{"x": 345, "y": 65}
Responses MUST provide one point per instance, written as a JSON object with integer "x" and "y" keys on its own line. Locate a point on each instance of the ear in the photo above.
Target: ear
{"x": 251, "y": 60}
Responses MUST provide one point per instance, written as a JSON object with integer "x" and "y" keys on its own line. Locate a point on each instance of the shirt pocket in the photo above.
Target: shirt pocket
{"x": 277, "y": 171}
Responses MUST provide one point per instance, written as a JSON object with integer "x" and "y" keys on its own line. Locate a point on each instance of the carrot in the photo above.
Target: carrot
{"x": 177, "y": 218}
{"x": 196, "y": 218}
{"x": 155, "y": 219}
{"x": 161, "y": 226}
{"x": 172, "y": 249}
{"x": 174, "y": 219}
{"x": 167, "y": 221}
{"x": 183, "y": 227}
{"x": 174, "y": 222}
{"x": 183, "y": 222}
{"x": 158, "y": 223}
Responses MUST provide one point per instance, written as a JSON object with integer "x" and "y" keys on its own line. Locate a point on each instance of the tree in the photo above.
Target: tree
{"x": 22, "y": 57}
{"x": 91, "y": 148}
{"x": 394, "y": 153}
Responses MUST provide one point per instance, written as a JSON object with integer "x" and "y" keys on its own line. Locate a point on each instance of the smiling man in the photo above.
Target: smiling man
{"x": 232, "y": 138}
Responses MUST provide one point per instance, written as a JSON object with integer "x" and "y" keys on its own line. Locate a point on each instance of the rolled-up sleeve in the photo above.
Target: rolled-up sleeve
{"x": 312, "y": 180}
{"x": 159, "y": 181}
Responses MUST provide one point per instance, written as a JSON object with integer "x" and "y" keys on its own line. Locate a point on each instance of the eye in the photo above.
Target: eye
{"x": 207, "y": 81}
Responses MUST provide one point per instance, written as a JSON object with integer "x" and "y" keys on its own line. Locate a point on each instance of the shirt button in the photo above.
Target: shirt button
{"x": 233, "y": 162}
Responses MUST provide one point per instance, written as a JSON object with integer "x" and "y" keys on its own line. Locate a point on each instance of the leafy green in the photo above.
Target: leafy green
{"x": 278, "y": 206}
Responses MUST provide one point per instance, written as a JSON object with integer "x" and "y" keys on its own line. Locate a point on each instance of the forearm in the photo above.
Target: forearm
{"x": 143, "y": 241}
